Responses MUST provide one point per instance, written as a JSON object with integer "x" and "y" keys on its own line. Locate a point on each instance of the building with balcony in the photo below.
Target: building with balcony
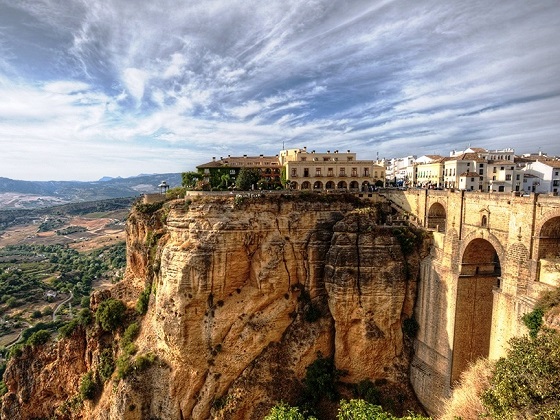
{"x": 330, "y": 171}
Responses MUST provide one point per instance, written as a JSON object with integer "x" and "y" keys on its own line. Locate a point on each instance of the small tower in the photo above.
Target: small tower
{"x": 163, "y": 187}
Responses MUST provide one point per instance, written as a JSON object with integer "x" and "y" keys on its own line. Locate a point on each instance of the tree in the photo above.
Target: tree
{"x": 110, "y": 314}
{"x": 247, "y": 178}
{"x": 189, "y": 179}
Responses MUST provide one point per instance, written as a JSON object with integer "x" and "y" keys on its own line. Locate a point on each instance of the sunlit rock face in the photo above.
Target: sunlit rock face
{"x": 245, "y": 293}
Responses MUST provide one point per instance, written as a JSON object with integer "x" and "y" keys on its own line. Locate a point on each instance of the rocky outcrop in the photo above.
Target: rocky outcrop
{"x": 246, "y": 292}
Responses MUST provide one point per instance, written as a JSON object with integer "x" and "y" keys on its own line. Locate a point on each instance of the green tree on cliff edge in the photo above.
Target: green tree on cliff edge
{"x": 247, "y": 178}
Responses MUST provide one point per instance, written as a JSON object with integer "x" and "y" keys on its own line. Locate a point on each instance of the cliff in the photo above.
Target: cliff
{"x": 244, "y": 294}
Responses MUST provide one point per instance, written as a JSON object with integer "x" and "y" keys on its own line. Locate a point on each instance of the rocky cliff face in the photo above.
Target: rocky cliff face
{"x": 245, "y": 293}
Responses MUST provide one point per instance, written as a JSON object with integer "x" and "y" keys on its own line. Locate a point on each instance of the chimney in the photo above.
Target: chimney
{"x": 328, "y": 151}
{"x": 261, "y": 155}
{"x": 305, "y": 148}
{"x": 213, "y": 158}
{"x": 244, "y": 156}
{"x": 348, "y": 151}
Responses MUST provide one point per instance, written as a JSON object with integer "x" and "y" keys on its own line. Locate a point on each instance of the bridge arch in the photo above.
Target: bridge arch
{"x": 479, "y": 274}
{"x": 549, "y": 238}
{"x": 544, "y": 237}
{"x": 437, "y": 217}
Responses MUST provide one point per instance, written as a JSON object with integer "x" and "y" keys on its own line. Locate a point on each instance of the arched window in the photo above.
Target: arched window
{"x": 484, "y": 221}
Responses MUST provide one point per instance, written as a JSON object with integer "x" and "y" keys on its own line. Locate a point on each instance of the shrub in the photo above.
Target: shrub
{"x": 39, "y": 337}
{"x": 320, "y": 379}
{"x": 144, "y": 362}
{"x": 106, "y": 364}
{"x": 283, "y": 411}
{"x": 143, "y": 301}
{"x": 110, "y": 314}
{"x": 130, "y": 334}
{"x": 526, "y": 383}
{"x": 36, "y": 314}
{"x": 3, "y": 388}
{"x": 124, "y": 368}
{"x": 67, "y": 329}
{"x": 367, "y": 391}
{"x": 85, "y": 317}
{"x": 87, "y": 386}
{"x": 533, "y": 321}
{"x": 360, "y": 409}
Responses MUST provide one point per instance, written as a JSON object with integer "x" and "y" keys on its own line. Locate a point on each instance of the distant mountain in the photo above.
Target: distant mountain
{"x": 34, "y": 194}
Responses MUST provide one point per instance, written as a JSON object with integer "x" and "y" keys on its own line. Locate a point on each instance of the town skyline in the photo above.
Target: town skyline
{"x": 111, "y": 88}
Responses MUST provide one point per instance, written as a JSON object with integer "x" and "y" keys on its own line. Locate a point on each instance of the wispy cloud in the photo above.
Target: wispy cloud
{"x": 107, "y": 87}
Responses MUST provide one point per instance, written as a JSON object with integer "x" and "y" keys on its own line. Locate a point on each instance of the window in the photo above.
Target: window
{"x": 468, "y": 164}
{"x": 508, "y": 177}
{"x": 555, "y": 183}
{"x": 366, "y": 171}
{"x": 484, "y": 221}
{"x": 303, "y": 159}
{"x": 342, "y": 172}
{"x": 501, "y": 188}
{"x": 501, "y": 168}
{"x": 494, "y": 170}
{"x": 294, "y": 172}
{"x": 232, "y": 171}
{"x": 481, "y": 165}
{"x": 349, "y": 158}
{"x": 306, "y": 172}
{"x": 481, "y": 171}
{"x": 326, "y": 159}
{"x": 330, "y": 172}
{"x": 317, "y": 171}
{"x": 472, "y": 179}
{"x": 517, "y": 177}
{"x": 494, "y": 178}
{"x": 354, "y": 171}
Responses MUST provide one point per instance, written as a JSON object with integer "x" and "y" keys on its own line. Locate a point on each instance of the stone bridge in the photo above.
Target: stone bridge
{"x": 493, "y": 255}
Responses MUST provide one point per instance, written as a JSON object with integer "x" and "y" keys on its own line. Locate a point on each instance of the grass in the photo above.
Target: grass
{"x": 465, "y": 402}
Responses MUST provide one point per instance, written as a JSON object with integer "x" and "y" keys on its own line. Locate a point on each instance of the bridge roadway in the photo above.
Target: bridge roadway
{"x": 493, "y": 254}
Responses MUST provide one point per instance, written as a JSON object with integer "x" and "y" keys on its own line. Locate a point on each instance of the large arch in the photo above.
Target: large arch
{"x": 342, "y": 185}
{"x": 437, "y": 217}
{"x": 354, "y": 185}
{"x": 330, "y": 185}
{"x": 479, "y": 274}
{"x": 305, "y": 185}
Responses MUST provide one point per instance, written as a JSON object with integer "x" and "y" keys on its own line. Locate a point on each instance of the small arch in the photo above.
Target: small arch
{"x": 318, "y": 185}
{"x": 294, "y": 185}
{"x": 342, "y": 185}
{"x": 484, "y": 221}
{"x": 330, "y": 185}
{"x": 365, "y": 186}
{"x": 549, "y": 239}
{"x": 305, "y": 185}
{"x": 354, "y": 185}
{"x": 437, "y": 217}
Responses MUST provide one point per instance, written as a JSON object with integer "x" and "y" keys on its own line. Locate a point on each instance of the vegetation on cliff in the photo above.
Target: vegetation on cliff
{"x": 523, "y": 384}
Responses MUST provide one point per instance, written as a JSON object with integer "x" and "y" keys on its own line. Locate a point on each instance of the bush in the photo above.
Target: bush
{"x": 360, "y": 409}
{"x": 106, "y": 364}
{"x": 130, "y": 334}
{"x": 526, "y": 383}
{"x": 36, "y": 314}
{"x": 39, "y": 337}
{"x": 110, "y": 314}
{"x": 87, "y": 386}
{"x": 320, "y": 379}
{"x": 144, "y": 362}
{"x": 533, "y": 321}
{"x": 67, "y": 329}
{"x": 367, "y": 391}
{"x": 3, "y": 388}
{"x": 124, "y": 368}
{"x": 283, "y": 411}
{"x": 143, "y": 301}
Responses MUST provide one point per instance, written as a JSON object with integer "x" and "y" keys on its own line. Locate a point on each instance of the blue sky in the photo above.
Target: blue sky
{"x": 92, "y": 88}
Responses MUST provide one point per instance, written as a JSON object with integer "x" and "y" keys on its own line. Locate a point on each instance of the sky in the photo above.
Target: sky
{"x": 93, "y": 88}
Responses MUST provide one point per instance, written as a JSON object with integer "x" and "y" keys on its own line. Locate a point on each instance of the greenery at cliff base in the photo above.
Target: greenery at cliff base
{"x": 348, "y": 410}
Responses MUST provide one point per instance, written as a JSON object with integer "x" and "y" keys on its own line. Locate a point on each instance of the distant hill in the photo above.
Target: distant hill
{"x": 15, "y": 194}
